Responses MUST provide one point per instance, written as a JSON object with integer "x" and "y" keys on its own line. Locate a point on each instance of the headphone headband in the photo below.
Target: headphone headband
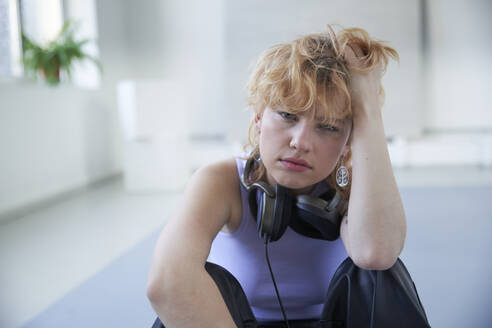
{"x": 265, "y": 187}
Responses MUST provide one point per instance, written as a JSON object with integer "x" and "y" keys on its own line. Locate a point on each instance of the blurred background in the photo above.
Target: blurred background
{"x": 93, "y": 163}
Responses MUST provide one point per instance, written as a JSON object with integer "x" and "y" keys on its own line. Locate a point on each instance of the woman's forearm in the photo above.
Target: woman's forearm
{"x": 376, "y": 218}
{"x": 192, "y": 302}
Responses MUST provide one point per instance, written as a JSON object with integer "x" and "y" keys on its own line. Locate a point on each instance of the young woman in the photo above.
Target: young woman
{"x": 317, "y": 114}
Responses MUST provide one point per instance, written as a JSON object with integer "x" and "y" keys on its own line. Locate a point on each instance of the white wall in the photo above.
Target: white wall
{"x": 460, "y": 76}
{"x": 194, "y": 54}
{"x": 51, "y": 140}
{"x": 179, "y": 41}
{"x": 457, "y": 84}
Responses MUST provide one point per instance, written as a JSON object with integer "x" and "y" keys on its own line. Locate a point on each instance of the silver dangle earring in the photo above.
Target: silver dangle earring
{"x": 342, "y": 175}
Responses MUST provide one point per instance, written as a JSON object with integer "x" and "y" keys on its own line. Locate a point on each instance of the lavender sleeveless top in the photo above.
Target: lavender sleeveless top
{"x": 302, "y": 266}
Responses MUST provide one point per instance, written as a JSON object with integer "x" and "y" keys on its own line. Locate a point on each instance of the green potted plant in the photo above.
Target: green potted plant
{"x": 55, "y": 57}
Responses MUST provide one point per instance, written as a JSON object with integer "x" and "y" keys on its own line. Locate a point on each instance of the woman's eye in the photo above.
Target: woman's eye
{"x": 328, "y": 127}
{"x": 287, "y": 116}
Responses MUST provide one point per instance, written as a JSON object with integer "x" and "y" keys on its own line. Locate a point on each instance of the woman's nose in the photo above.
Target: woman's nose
{"x": 301, "y": 138}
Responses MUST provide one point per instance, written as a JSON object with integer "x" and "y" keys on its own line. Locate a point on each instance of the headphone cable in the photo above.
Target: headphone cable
{"x": 275, "y": 284}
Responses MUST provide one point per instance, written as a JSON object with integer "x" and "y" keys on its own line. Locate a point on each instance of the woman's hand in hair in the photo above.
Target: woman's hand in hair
{"x": 366, "y": 91}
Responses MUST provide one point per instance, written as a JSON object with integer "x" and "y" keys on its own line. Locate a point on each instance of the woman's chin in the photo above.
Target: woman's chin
{"x": 295, "y": 184}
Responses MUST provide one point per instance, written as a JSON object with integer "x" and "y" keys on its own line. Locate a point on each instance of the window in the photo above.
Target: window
{"x": 41, "y": 20}
{"x": 10, "y": 46}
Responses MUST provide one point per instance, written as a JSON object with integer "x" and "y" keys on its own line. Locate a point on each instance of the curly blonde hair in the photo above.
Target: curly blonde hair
{"x": 311, "y": 72}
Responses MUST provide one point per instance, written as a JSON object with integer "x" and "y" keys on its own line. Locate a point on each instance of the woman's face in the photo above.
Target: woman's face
{"x": 298, "y": 150}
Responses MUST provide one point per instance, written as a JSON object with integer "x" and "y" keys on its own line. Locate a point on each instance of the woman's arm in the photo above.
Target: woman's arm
{"x": 179, "y": 288}
{"x": 374, "y": 231}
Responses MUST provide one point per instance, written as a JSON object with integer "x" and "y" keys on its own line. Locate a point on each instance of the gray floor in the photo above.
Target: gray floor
{"x": 84, "y": 261}
{"x": 448, "y": 251}
{"x": 47, "y": 254}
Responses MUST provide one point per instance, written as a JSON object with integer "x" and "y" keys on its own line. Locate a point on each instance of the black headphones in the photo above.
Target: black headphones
{"x": 277, "y": 208}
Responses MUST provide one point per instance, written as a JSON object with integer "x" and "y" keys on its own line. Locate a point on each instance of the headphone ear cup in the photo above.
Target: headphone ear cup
{"x": 265, "y": 218}
{"x": 253, "y": 204}
{"x": 262, "y": 208}
{"x": 272, "y": 214}
{"x": 282, "y": 212}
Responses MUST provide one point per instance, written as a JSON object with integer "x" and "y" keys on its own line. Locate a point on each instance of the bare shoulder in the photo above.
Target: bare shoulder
{"x": 222, "y": 182}
{"x": 207, "y": 205}
{"x": 220, "y": 177}
{"x": 222, "y": 172}
{"x": 234, "y": 194}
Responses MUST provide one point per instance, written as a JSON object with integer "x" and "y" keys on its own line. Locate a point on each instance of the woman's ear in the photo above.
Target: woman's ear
{"x": 258, "y": 122}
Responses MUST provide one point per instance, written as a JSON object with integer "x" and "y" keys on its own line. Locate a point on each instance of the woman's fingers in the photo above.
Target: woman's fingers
{"x": 357, "y": 61}
{"x": 366, "y": 85}
{"x": 352, "y": 56}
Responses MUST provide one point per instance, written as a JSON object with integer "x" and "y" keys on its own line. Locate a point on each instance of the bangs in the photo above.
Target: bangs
{"x": 305, "y": 74}
{"x": 311, "y": 72}
{"x": 331, "y": 105}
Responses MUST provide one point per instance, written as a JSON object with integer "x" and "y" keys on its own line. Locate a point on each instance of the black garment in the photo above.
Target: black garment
{"x": 360, "y": 298}
{"x": 356, "y": 298}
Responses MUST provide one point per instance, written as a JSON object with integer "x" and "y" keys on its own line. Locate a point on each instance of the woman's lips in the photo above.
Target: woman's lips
{"x": 297, "y": 165}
